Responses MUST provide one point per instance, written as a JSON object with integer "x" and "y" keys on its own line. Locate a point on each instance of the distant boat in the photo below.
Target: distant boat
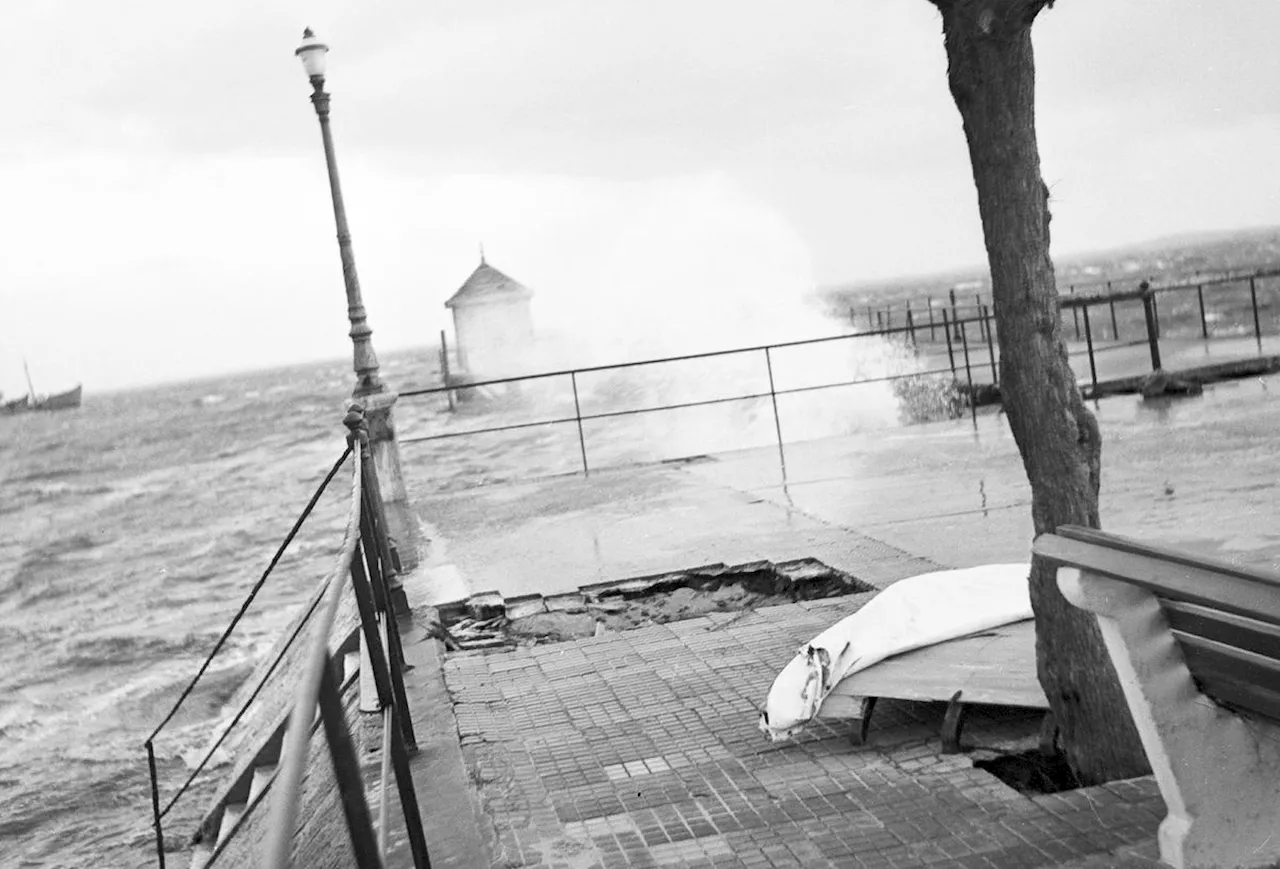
{"x": 30, "y": 402}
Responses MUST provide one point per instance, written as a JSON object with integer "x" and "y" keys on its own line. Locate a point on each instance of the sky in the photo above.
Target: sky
{"x": 166, "y": 212}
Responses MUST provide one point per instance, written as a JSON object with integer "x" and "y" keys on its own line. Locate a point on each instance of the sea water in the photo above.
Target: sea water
{"x": 130, "y": 532}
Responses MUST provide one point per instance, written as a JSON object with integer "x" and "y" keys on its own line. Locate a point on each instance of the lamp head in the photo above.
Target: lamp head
{"x": 312, "y": 52}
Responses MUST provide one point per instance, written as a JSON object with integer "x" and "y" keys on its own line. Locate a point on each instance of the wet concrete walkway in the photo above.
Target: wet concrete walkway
{"x": 640, "y": 748}
{"x": 1200, "y": 473}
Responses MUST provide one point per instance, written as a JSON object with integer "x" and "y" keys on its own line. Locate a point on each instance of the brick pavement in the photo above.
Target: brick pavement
{"x": 640, "y": 749}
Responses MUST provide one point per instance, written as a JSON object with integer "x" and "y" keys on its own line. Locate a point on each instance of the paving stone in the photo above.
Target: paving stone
{"x": 640, "y": 748}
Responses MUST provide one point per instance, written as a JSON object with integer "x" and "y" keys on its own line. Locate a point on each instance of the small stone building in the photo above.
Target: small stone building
{"x": 492, "y": 323}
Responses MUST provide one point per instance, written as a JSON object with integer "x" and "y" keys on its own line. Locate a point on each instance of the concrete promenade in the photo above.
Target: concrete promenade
{"x": 1114, "y": 360}
{"x": 640, "y": 748}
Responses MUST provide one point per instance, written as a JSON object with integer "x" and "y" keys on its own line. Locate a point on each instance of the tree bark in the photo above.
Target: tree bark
{"x": 991, "y": 70}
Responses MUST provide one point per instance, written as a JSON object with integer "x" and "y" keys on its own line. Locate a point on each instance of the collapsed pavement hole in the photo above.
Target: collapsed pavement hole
{"x": 487, "y": 622}
{"x": 1031, "y": 772}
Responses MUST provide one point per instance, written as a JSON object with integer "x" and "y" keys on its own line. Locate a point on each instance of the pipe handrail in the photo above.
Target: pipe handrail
{"x": 298, "y": 733}
{"x": 159, "y": 812}
{"x": 617, "y": 366}
{"x": 253, "y": 592}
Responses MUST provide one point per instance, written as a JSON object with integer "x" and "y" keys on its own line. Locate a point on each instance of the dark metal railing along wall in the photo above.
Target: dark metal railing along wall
{"x": 159, "y": 812}
{"x": 367, "y": 557}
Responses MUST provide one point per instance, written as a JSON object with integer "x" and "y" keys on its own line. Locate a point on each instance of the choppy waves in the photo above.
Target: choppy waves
{"x": 132, "y": 530}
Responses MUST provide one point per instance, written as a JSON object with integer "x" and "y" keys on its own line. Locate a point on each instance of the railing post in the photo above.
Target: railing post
{"x": 1148, "y": 311}
{"x": 1088, "y": 340}
{"x": 929, "y": 299}
{"x": 979, "y": 308}
{"x": 1075, "y": 312}
{"x": 777, "y": 422}
{"x": 392, "y": 649}
{"x": 408, "y": 797}
{"x": 1115, "y": 329}
{"x": 1257, "y": 325}
{"x": 577, "y": 415}
{"x": 444, "y": 369}
{"x": 370, "y": 591}
{"x": 346, "y": 769}
{"x": 385, "y": 661}
{"x": 1204, "y": 321}
{"x": 968, "y": 372}
{"x": 870, "y": 321}
{"x": 370, "y": 586}
{"x": 955, "y": 317}
{"x": 911, "y": 325}
{"x": 991, "y": 346}
{"x": 879, "y": 321}
{"x": 888, "y": 316}
{"x": 1155, "y": 310}
{"x": 155, "y": 803}
{"x": 399, "y": 603}
{"x": 946, "y": 331}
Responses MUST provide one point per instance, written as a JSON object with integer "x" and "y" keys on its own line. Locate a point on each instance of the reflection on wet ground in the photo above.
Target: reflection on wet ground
{"x": 1199, "y": 473}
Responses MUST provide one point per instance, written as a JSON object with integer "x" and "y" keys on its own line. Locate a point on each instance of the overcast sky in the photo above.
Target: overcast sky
{"x": 166, "y": 214}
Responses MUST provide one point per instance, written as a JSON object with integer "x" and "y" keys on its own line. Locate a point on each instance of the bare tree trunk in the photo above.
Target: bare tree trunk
{"x": 991, "y": 70}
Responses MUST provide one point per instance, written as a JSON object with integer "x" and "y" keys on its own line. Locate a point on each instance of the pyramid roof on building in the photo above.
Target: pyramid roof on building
{"x": 488, "y": 285}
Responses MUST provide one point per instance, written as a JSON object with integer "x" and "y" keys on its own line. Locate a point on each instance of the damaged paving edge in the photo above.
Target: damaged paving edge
{"x": 490, "y": 621}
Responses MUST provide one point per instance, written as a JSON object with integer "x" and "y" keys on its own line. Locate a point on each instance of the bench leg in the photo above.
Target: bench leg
{"x": 952, "y": 724}
{"x": 1048, "y": 740}
{"x": 858, "y": 735}
{"x": 1218, "y": 773}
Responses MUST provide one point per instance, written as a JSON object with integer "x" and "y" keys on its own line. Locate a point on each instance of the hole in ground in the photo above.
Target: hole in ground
{"x": 595, "y": 610}
{"x": 1031, "y": 772}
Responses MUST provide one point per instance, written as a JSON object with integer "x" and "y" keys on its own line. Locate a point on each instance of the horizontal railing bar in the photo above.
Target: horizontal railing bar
{"x": 1066, "y": 301}
{"x": 298, "y": 732}
{"x": 759, "y": 348}
{"x": 497, "y": 428}
{"x": 302, "y": 623}
{"x": 1074, "y": 298}
{"x": 679, "y": 406}
{"x": 297, "y": 526}
{"x": 1106, "y": 347}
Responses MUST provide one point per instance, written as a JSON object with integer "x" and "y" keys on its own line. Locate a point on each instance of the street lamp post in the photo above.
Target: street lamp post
{"x": 369, "y": 390}
{"x": 312, "y": 52}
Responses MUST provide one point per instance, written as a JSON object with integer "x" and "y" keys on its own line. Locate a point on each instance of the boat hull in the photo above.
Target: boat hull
{"x": 68, "y": 400}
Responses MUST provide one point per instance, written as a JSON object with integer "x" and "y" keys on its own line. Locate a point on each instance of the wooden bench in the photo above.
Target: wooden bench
{"x": 994, "y": 667}
{"x": 1196, "y": 645}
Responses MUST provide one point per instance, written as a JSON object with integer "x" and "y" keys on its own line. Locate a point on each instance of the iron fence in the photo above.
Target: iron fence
{"x": 367, "y": 557}
{"x": 955, "y": 344}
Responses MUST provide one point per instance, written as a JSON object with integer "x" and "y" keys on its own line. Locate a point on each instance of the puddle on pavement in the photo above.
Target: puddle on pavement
{"x": 488, "y": 621}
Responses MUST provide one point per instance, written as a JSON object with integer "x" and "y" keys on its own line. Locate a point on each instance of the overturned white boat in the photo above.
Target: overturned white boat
{"x": 911, "y": 614}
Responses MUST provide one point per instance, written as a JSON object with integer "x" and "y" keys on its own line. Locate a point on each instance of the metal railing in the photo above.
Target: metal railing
{"x": 921, "y": 317}
{"x": 969, "y": 341}
{"x": 366, "y": 558}
{"x": 160, "y": 812}
{"x": 366, "y": 555}
{"x": 768, "y": 354}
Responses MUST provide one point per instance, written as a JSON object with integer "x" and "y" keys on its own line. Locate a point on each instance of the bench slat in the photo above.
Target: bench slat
{"x": 1169, "y": 554}
{"x": 1176, "y": 577}
{"x": 1242, "y": 632}
{"x": 1235, "y": 676}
